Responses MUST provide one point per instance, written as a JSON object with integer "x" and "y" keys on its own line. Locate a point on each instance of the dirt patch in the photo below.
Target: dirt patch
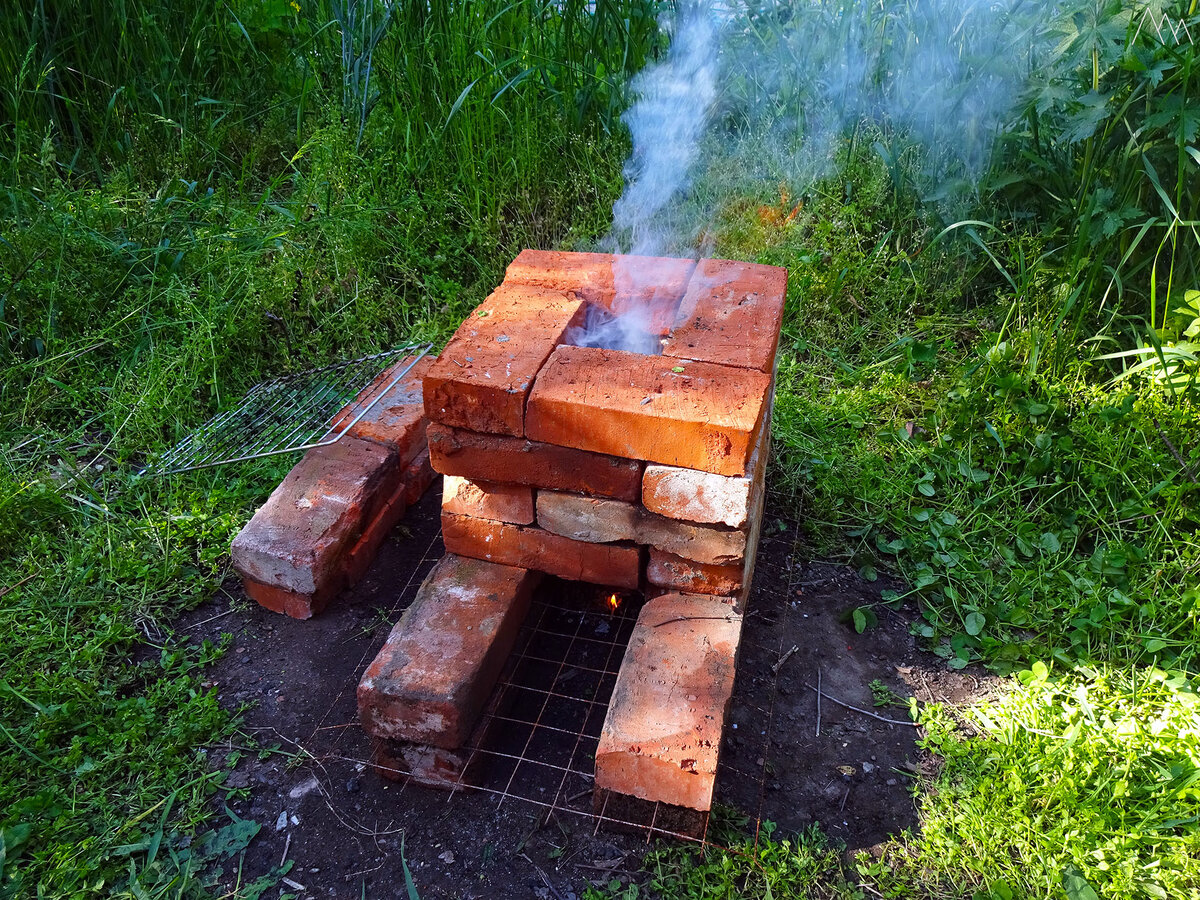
{"x": 342, "y": 826}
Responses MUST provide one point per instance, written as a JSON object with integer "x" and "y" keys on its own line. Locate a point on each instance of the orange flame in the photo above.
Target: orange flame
{"x": 613, "y": 602}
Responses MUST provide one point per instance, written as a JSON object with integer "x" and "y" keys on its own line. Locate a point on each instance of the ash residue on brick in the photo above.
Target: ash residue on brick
{"x": 343, "y": 824}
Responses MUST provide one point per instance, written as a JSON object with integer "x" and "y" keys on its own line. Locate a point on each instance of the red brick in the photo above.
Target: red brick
{"x": 505, "y": 460}
{"x": 398, "y": 419}
{"x": 662, "y": 734}
{"x": 597, "y": 520}
{"x": 648, "y": 286}
{"x": 363, "y": 553}
{"x": 703, "y": 417}
{"x": 431, "y": 678}
{"x": 291, "y": 603}
{"x": 678, "y": 574}
{"x": 731, "y": 314}
{"x": 482, "y": 379}
{"x": 696, "y": 496}
{"x": 422, "y": 763}
{"x": 418, "y": 477}
{"x": 612, "y": 565}
{"x": 415, "y": 481}
{"x": 511, "y": 503}
{"x": 296, "y": 540}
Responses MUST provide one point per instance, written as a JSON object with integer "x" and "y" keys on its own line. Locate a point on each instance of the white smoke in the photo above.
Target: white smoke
{"x": 667, "y": 122}
{"x": 752, "y": 95}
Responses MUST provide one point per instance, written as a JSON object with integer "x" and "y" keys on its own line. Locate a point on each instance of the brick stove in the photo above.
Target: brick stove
{"x": 632, "y": 470}
{"x": 638, "y": 470}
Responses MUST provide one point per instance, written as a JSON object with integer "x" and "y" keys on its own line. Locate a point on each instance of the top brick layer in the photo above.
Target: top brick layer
{"x": 649, "y": 286}
{"x": 691, "y": 414}
{"x": 482, "y": 379}
{"x": 731, "y": 314}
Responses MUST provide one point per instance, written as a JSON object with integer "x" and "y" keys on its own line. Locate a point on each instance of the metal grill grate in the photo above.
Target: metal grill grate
{"x": 538, "y": 738}
{"x": 289, "y": 413}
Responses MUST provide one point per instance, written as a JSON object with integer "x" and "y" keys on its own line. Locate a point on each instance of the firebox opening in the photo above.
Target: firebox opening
{"x": 628, "y": 331}
{"x": 545, "y": 715}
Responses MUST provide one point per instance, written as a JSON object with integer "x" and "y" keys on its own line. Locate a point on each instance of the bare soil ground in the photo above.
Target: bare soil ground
{"x": 785, "y": 759}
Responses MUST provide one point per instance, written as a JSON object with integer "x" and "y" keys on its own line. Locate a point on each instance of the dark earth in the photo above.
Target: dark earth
{"x": 531, "y": 833}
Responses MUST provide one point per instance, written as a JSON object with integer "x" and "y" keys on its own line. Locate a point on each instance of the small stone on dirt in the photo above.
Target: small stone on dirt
{"x": 447, "y": 857}
{"x": 305, "y": 787}
{"x": 281, "y": 822}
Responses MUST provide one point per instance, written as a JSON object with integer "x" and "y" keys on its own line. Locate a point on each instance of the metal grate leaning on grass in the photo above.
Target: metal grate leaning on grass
{"x": 286, "y": 414}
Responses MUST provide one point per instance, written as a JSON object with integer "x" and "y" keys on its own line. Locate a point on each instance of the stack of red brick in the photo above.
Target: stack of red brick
{"x": 609, "y": 466}
{"x": 619, "y": 468}
{"x": 320, "y": 529}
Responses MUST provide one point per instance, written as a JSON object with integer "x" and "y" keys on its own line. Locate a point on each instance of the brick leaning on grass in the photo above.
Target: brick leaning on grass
{"x": 320, "y": 529}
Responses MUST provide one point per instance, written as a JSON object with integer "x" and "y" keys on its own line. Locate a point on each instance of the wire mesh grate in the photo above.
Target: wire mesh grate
{"x": 291, "y": 413}
{"x": 536, "y": 743}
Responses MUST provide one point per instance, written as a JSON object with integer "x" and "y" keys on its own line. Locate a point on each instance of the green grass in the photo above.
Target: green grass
{"x": 189, "y": 204}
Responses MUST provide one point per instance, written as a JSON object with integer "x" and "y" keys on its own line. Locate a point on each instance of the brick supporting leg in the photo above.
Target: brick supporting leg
{"x": 662, "y": 734}
{"x": 430, "y": 680}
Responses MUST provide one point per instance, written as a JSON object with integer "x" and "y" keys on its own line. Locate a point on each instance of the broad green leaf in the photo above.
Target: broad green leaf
{"x": 974, "y": 623}
{"x": 1076, "y": 887}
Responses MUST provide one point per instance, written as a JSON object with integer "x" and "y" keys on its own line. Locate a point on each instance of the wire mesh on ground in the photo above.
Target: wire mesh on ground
{"x": 287, "y": 414}
{"x": 536, "y": 743}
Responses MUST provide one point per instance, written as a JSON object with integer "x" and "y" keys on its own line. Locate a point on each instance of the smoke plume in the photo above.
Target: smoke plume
{"x": 754, "y": 95}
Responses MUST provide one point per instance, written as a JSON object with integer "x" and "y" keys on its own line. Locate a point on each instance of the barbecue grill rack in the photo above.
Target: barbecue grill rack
{"x": 286, "y": 414}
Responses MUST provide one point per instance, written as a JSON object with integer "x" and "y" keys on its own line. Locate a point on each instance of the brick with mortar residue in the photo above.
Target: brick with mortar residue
{"x": 675, "y": 573}
{"x": 296, "y": 540}
{"x": 398, "y": 419}
{"x": 731, "y": 314}
{"x": 482, "y": 379}
{"x": 614, "y": 565}
{"x": 695, "y": 496}
{"x": 689, "y": 414}
{"x": 662, "y": 733}
{"x": 506, "y": 460}
{"x": 431, "y": 678}
{"x": 648, "y": 287}
{"x": 511, "y": 503}
{"x": 600, "y": 520}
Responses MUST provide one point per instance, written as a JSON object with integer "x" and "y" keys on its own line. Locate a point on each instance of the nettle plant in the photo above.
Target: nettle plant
{"x": 1104, "y": 159}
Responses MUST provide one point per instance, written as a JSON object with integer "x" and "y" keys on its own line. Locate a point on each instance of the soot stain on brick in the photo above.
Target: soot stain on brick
{"x": 296, "y": 682}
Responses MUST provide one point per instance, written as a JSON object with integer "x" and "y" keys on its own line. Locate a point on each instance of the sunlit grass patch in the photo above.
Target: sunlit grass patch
{"x": 1092, "y": 775}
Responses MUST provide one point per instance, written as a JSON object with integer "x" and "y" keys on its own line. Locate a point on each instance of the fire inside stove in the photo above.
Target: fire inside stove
{"x": 602, "y": 420}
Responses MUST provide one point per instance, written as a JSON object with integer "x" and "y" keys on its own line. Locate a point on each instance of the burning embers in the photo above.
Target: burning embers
{"x": 606, "y": 419}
